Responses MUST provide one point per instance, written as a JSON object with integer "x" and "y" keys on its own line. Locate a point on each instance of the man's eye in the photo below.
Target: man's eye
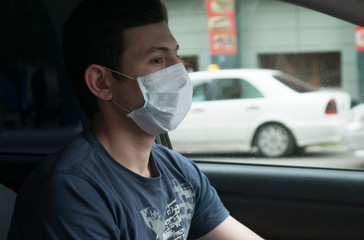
{"x": 157, "y": 60}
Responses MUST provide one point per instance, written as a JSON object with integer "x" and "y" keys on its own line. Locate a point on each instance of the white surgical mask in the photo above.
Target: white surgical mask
{"x": 168, "y": 97}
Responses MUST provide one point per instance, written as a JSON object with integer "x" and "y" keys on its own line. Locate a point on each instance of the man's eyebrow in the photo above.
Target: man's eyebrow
{"x": 159, "y": 48}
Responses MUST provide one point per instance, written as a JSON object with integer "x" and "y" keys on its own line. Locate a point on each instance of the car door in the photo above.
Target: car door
{"x": 190, "y": 136}
{"x": 231, "y": 114}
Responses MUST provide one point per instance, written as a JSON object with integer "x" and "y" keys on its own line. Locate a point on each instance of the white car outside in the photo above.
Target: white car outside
{"x": 258, "y": 110}
{"x": 354, "y": 131}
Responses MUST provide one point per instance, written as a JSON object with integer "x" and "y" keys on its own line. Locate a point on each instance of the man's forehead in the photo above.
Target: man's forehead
{"x": 150, "y": 38}
{"x": 154, "y": 49}
{"x": 146, "y": 31}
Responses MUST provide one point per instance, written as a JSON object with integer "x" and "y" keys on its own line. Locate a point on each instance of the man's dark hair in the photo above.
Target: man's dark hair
{"x": 93, "y": 34}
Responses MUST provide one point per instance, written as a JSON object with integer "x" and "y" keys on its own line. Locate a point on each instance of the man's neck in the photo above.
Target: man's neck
{"x": 128, "y": 145}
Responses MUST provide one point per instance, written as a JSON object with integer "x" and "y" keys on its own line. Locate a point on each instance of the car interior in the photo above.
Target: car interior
{"x": 276, "y": 201}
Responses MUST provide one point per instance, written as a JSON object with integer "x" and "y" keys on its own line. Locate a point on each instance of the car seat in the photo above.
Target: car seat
{"x": 7, "y": 201}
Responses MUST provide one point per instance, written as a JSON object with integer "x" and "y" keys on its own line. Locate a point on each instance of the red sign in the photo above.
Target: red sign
{"x": 221, "y": 26}
{"x": 359, "y": 38}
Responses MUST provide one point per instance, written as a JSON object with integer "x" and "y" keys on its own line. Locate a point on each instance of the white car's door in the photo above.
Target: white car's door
{"x": 190, "y": 136}
{"x": 230, "y": 115}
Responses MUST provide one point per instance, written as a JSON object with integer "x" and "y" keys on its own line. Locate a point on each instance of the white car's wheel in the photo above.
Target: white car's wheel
{"x": 274, "y": 140}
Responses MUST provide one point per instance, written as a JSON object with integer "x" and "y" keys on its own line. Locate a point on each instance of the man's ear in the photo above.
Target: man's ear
{"x": 97, "y": 81}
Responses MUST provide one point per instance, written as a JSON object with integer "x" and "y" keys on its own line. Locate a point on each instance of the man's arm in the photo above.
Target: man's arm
{"x": 230, "y": 229}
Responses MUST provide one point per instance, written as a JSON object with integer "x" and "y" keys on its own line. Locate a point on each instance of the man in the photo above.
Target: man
{"x": 112, "y": 181}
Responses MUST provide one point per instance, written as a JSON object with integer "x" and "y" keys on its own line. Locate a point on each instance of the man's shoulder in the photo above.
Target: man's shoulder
{"x": 174, "y": 160}
{"x": 71, "y": 156}
{"x": 69, "y": 159}
{"x": 168, "y": 154}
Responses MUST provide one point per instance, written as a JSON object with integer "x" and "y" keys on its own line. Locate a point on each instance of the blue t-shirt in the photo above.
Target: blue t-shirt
{"x": 81, "y": 192}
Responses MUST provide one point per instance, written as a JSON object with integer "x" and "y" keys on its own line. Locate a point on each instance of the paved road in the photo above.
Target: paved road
{"x": 322, "y": 157}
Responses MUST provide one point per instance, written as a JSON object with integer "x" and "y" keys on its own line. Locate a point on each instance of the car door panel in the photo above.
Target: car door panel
{"x": 190, "y": 136}
{"x": 238, "y": 115}
{"x": 292, "y": 203}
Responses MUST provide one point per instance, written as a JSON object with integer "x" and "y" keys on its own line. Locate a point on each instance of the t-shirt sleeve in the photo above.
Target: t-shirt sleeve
{"x": 66, "y": 207}
{"x": 209, "y": 211}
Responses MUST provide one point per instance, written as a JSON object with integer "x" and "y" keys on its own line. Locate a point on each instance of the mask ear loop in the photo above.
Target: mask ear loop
{"x": 117, "y": 104}
{"x": 122, "y": 74}
{"x": 112, "y": 100}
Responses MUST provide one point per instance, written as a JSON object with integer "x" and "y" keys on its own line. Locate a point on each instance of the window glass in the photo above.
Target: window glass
{"x": 227, "y": 89}
{"x": 312, "y": 119}
{"x": 294, "y": 75}
{"x": 316, "y": 65}
{"x": 249, "y": 91}
{"x": 200, "y": 92}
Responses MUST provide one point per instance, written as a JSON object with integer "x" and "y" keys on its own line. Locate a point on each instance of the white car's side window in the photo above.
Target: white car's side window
{"x": 200, "y": 92}
{"x": 227, "y": 89}
{"x": 249, "y": 91}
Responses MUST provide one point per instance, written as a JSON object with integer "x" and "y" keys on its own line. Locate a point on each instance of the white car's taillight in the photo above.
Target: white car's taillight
{"x": 331, "y": 107}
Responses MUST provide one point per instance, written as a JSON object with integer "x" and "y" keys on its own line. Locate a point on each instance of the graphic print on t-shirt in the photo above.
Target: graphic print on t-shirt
{"x": 174, "y": 223}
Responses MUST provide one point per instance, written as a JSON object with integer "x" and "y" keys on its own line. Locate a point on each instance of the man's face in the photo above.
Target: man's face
{"x": 149, "y": 48}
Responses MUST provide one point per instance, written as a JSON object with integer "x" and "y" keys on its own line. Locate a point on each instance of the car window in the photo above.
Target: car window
{"x": 225, "y": 89}
{"x": 306, "y": 121}
{"x": 249, "y": 91}
{"x": 294, "y": 75}
{"x": 201, "y": 92}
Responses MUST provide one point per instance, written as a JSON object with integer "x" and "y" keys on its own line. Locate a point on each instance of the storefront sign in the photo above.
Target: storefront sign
{"x": 359, "y": 38}
{"x": 221, "y": 26}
